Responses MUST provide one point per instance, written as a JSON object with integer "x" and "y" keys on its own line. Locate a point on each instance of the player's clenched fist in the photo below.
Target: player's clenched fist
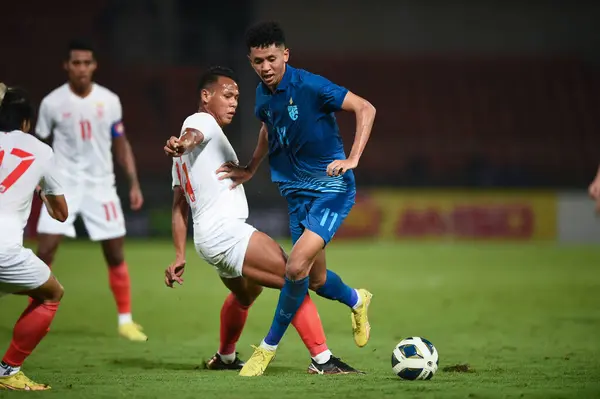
{"x": 174, "y": 148}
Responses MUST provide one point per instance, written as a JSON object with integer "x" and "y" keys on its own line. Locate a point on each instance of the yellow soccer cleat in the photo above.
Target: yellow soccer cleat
{"x": 258, "y": 362}
{"x": 20, "y": 382}
{"x": 360, "y": 319}
{"x": 132, "y": 332}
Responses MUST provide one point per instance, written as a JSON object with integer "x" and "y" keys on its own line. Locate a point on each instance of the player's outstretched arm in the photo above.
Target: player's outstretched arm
{"x": 126, "y": 160}
{"x": 365, "y": 116}
{"x": 179, "y": 226}
{"x": 241, "y": 174}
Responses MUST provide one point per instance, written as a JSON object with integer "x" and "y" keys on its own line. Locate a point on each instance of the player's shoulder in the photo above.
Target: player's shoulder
{"x": 304, "y": 77}
{"x": 56, "y": 95}
{"x": 105, "y": 92}
{"x": 201, "y": 120}
{"x": 29, "y": 143}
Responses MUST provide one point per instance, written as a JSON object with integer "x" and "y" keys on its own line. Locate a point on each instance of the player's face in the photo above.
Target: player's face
{"x": 269, "y": 63}
{"x": 222, "y": 100}
{"x": 80, "y": 68}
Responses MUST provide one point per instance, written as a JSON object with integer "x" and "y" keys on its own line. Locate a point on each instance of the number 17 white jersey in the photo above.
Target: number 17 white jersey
{"x": 25, "y": 162}
{"x": 83, "y": 130}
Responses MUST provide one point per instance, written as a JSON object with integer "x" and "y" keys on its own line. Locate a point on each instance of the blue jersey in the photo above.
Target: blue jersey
{"x": 304, "y": 137}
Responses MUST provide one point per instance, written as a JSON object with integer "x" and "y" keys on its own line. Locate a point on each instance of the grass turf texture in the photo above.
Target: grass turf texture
{"x": 525, "y": 318}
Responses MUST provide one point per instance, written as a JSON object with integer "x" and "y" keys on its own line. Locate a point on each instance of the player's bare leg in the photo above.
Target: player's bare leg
{"x": 47, "y": 247}
{"x": 265, "y": 263}
{"x": 30, "y": 329}
{"x": 328, "y": 284}
{"x": 120, "y": 285}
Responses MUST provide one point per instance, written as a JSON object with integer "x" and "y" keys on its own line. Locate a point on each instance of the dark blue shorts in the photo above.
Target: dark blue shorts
{"x": 321, "y": 213}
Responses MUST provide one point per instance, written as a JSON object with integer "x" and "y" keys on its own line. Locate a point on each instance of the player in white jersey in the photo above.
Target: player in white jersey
{"x": 25, "y": 162}
{"x": 84, "y": 120}
{"x": 245, "y": 259}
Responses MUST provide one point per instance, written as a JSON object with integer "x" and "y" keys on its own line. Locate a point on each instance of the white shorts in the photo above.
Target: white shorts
{"x": 21, "y": 270}
{"x": 224, "y": 245}
{"x": 100, "y": 210}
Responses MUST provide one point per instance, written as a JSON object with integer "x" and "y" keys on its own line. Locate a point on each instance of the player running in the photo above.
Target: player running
{"x": 25, "y": 162}
{"x": 306, "y": 154}
{"x": 85, "y": 121}
{"x": 245, "y": 259}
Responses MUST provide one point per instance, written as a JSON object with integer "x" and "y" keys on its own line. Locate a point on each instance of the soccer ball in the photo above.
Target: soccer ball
{"x": 415, "y": 358}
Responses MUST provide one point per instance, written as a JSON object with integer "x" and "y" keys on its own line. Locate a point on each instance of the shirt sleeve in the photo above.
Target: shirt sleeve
{"x": 330, "y": 96}
{"x": 117, "y": 129}
{"x": 50, "y": 184}
{"x": 43, "y": 127}
{"x": 204, "y": 123}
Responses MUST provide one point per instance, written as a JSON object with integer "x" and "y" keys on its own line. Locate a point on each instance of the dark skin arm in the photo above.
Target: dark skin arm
{"x": 179, "y": 226}
{"x": 125, "y": 158}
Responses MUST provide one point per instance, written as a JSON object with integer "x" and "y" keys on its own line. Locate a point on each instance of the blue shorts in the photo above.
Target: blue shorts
{"x": 321, "y": 213}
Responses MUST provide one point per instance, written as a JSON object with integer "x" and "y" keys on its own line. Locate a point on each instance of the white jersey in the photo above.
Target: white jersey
{"x": 210, "y": 199}
{"x": 25, "y": 162}
{"x": 83, "y": 130}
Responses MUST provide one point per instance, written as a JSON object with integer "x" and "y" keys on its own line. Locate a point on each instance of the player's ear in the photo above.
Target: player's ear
{"x": 286, "y": 54}
{"x": 205, "y": 95}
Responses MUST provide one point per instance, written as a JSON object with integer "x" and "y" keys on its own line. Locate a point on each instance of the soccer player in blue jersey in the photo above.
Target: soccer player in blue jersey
{"x": 307, "y": 159}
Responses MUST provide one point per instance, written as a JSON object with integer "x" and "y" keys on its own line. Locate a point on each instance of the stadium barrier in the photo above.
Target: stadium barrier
{"x": 424, "y": 215}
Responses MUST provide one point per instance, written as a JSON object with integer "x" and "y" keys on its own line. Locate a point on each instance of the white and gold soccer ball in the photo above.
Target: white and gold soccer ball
{"x": 415, "y": 358}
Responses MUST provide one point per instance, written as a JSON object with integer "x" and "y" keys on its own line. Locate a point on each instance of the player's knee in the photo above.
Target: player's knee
{"x": 247, "y": 298}
{"x": 316, "y": 282}
{"x": 56, "y": 294}
{"x": 296, "y": 268}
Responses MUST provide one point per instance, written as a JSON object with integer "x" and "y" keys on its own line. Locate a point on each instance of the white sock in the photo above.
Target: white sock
{"x": 227, "y": 358}
{"x": 323, "y": 357}
{"x": 7, "y": 371}
{"x": 358, "y": 301}
{"x": 271, "y": 348}
{"x": 125, "y": 318}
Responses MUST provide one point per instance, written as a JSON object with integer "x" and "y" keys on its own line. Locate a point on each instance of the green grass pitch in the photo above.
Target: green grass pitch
{"x": 524, "y": 317}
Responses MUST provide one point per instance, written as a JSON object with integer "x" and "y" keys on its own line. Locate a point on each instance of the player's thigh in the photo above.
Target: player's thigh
{"x": 49, "y": 226}
{"x": 102, "y": 215}
{"x": 245, "y": 291}
{"x": 327, "y": 214}
{"x": 21, "y": 270}
{"x": 265, "y": 261}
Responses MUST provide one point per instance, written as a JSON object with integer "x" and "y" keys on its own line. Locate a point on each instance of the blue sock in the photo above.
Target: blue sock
{"x": 290, "y": 298}
{"x": 334, "y": 288}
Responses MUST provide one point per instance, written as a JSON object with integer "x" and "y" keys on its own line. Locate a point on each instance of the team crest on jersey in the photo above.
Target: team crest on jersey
{"x": 293, "y": 110}
{"x": 100, "y": 109}
{"x": 269, "y": 116}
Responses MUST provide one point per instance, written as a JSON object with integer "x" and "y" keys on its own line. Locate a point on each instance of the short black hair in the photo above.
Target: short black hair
{"x": 15, "y": 108}
{"x": 211, "y": 75}
{"x": 264, "y": 34}
{"x": 78, "y": 44}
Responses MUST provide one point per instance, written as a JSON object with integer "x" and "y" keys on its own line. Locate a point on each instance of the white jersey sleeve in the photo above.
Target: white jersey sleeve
{"x": 50, "y": 183}
{"x": 175, "y": 175}
{"x": 205, "y": 123}
{"x": 43, "y": 128}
